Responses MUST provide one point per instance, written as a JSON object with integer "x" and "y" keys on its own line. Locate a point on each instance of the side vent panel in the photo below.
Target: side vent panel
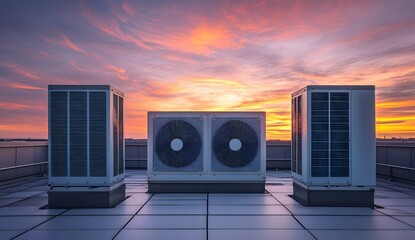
{"x": 121, "y": 135}
{"x": 78, "y": 134}
{"x": 59, "y": 135}
{"x": 115, "y": 125}
{"x": 97, "y": 134}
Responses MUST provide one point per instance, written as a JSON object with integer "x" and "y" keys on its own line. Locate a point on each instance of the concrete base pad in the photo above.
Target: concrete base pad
{"x": 86, "y": 199}
{"x": 213, "y": 187}
{"x": 334, "y": 198}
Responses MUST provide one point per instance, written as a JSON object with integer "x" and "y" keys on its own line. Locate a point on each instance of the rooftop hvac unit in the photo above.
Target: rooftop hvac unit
{"x": 206, "y": 151}
{"x": 333, "y": 145}
{"x": 86, "y": 146}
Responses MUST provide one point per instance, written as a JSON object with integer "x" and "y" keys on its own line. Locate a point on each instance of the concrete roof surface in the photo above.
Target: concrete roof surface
{"x": 274, "y": 215}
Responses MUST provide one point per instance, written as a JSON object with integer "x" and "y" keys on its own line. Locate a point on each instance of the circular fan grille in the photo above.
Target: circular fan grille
{"x": 172, "y": 132}
{"x": 227, "y": 134}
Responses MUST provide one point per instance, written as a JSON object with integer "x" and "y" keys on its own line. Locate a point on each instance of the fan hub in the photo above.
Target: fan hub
{"x": 235, "y": 144}
{"x": 176, "y": 144}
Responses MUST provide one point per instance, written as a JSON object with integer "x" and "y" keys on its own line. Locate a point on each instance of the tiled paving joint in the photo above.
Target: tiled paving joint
{"x": 273, "y": 215}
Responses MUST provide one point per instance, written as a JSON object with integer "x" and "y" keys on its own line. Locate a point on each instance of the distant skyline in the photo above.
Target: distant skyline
{"x": 206, "y": 56}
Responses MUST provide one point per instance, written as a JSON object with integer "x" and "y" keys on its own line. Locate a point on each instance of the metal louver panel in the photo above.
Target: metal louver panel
{"x": 293, "y": 135}
{"x": 339, "y": 134}
{"x": 121, "y": 135}
{"x": 115, "y": 124}
{"x": 78, "y": 133}
{"x": 330, "y": 134}
{"x": 59, "y": 133}
{"x": 299, "y": 136}
{"x": 97, "y": 134}
{"x": 320, "y": 134}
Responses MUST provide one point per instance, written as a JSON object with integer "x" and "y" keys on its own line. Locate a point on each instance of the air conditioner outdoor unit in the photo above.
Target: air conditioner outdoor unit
{"x": 206, "y": 151}
{"x": 86, "y": 146}
{"x": 333, "y": 145}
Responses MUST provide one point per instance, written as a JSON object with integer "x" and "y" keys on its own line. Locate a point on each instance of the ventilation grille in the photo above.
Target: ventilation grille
{"x": 330, "y": 134}
{"x": 59, "y": 133}
{"x": 339, "y": 134}
{"x": 115, "y": 124}
{"x": 81, "y": 118}
{"x": 319, "y": 134}
{"x": 121, "y": 136}
{"x": 78, "y": 134}
{"x": 118, "y": 137}
{"x": 296, "y": 135}
{"x": 97, "y": 134}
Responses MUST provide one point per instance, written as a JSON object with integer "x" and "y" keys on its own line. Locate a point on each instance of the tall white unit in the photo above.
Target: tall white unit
{"x": 206, "y": 151}
{"x": 333, "y": 145}
{"x": 86, "y": 146}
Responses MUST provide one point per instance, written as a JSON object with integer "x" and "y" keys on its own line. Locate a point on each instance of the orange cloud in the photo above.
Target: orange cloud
{"x": 128, "y": 9}
{"x": 198, "y": 36}
{"x": 395, "y": 104}
{"x": 241, "y": 16}
{"x": 206, "y": 94}
{"x": 64, "y": 42}
{"x": 279, "y": 21}
{"x": 211, "y": 82}
{"x": 15, "y": 106}
{"x": 110, "y": 27}
{"x": 22, "y": 130}
{"x": 204, "y": 38}
{"x": 395, "y": 118}
{"x": 69, "y": 44}
{"x": 403, "y": 127}
{"x": 23, "y": 72}
{"x": 24, "y": 86}
{"x": 377, "y": 32}
{"x": 278, "y": 125}
{"x": 179, "y": 59}
{"x": 218, "y": 56}
{"x": 120, "y": 72}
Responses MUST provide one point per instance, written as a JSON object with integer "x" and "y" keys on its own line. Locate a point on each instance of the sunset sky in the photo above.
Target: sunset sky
{"x": 205, "y": 55}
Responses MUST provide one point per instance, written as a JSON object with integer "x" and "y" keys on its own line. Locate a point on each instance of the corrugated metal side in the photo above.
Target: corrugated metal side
{"x": 78, "y": 134}
{"x": 59, "y": 133}
{"x": 97, "y": 134}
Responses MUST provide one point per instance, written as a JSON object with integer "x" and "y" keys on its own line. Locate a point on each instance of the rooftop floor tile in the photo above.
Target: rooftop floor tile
{"x": 272, "y": 215}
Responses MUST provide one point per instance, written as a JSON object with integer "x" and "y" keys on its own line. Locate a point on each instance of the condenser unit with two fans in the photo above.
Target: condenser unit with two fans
{"x": 206, "y": 151}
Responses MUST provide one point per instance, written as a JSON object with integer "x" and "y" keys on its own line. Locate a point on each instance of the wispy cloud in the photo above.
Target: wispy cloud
{"x": 65, "y": 42}
{"x": 111, "y": 27}
{"x": 15, "y": 106}
{"x": 120, "y": 72}
{"x": 22, "y": 71}
{"x": 207, "y": 55}
{"x": 24, "y": 86}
